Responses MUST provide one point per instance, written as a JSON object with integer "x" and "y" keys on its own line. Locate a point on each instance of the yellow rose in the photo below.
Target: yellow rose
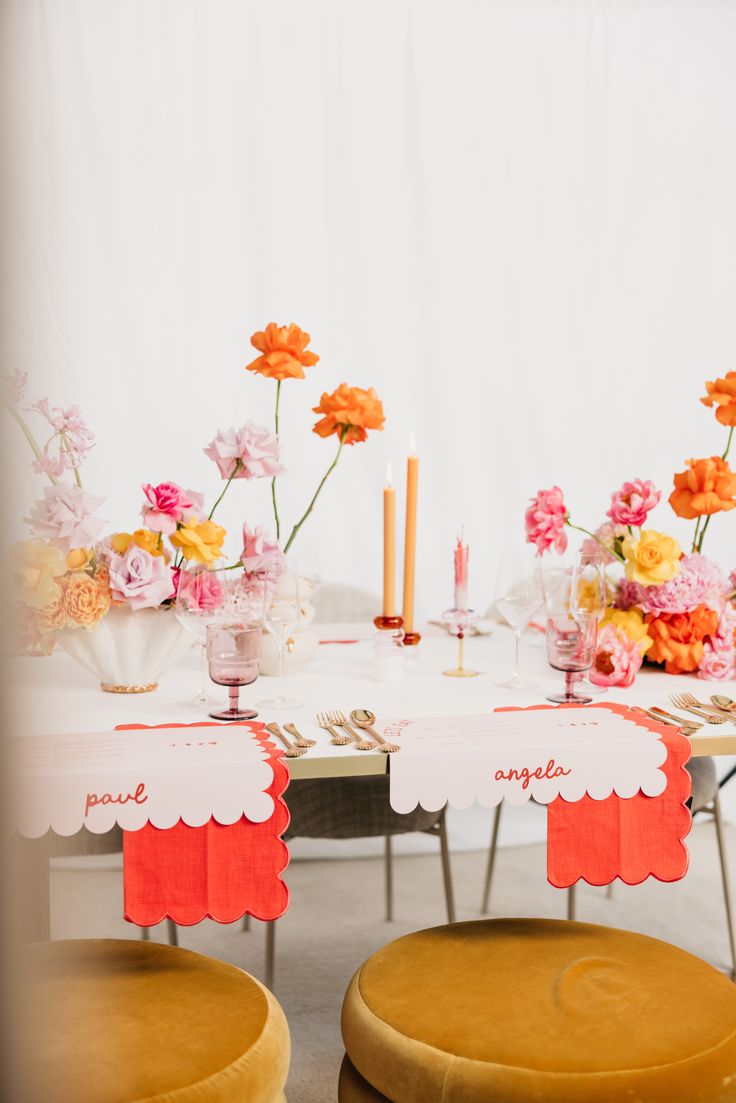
{"x": 78, "y": 558}
{"x": 85, "y": 602}
{"x": 652, "y": 558}
{"x": 631, "y": 623}
{"x": 202, "y": 542}
{"x": 120, "y": 541}
{"x": 149, "y": 541}
{"x": 35, "y": 566}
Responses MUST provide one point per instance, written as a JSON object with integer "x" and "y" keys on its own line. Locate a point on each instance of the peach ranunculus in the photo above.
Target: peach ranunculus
{"x": 708, "y": 486}
{"x": 79, "y": 558}
{"x": 679, "y": 638}
{"x": 722, "y": 395}
{"x": 85, "y": 603}
{"x": 35, "y": 567}
{"x": 631, "y": 623}
{"x": 651, "y": 558}
{"x": 283, "y": 352}
{"x": 202, "y": 542}
{"x": 349, "y": 412}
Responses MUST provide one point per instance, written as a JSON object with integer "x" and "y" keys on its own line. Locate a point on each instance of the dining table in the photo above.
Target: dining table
{"x": 53, "y": 695}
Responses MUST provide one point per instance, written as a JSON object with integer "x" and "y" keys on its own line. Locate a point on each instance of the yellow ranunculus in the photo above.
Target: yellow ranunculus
{"x": 78, "y": 558}
{"x": 201, "y": 542}
{"x": 631, "y": 623}
{"x": 35, "y": 566}
{"x": 651, "y": 559}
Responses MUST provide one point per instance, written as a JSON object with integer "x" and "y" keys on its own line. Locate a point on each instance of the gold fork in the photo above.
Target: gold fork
{"x": 689, "y": 699}
{"x": 680, "y": 702}
{"x": 339, "y": 718}
{"x": 337, "y": 740}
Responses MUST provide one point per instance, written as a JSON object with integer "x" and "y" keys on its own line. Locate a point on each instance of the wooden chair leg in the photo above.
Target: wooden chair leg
{"x": 172, "y": 932}
{"x": 484, "y": 905}
{"x": 571, "y": 902}
{"x": 718, "y": 821}
{"x": 270, "y": 953}
{"x": 446, "y": 871}
{"x": 388, "y": 869}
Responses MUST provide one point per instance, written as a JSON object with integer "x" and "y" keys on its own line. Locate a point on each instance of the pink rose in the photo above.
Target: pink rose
{"x": 545, "y": 521}
{"x": 617, "y": 658}
{"x": 64, "y": 517}
{"x": 717, "y": 665}
{"x": 202, "y": 590}
{"x": 250, "y": 452}
{"x": 261, "y": 555}
{"x": 141, "y": 580}
{"x": 634, "y": 502}
{"x": 167, "y": 504}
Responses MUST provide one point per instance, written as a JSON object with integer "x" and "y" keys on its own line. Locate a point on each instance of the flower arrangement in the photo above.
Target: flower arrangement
{"x": 672, "y": 608}
{"x": 67, "y": 576}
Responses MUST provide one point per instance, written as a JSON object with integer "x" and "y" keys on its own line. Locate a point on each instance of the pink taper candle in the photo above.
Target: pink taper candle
{"x": 461, "y": 574}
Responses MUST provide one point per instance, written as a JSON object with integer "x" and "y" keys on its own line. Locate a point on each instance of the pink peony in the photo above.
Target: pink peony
{"x": 250, "y": 452}
{"x": 628, "y": 594}
{"x": 700, "y": 582}
{"x": 201, "y": 589}
{"x": 632, "y": 504}
{"x": 64, "y": 517}
{"x": 545, "y": 521}
{"x": 617, "y": 658}
{"x": 717, "y": 665}
{"x": 167, "y": 504}
{"x": 261, "y": 555}
{"x": 606, "y": 538}
{"x": 140, "y": 579}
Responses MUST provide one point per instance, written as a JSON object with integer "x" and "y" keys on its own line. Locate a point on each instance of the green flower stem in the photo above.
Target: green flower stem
{"x": 224, "y": 491}
{"x": 592, "y": 535}
{"x": 728, "y": 443}
{"x": 273, "y": 480}
{"x": 65, "y": 445}
{"x": 702, "y": 534}
{"x": 695, "y": 537}
{"x": 29, "y": 437}
{"x": 317, "y": 493}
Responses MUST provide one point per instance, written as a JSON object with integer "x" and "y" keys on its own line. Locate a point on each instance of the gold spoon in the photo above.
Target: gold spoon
{"x": 299, "y": 739}
{"x": 291, "y": 751}
{"x": 364, "y": 718}
{"x": 723, "y": 702}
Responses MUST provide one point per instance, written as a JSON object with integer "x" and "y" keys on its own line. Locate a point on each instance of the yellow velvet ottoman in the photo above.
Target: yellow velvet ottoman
{"x": 522, "y": 1010}
{"x": 116, "y": 1022}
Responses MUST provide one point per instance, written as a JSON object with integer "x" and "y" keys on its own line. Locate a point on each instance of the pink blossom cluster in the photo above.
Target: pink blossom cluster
{"x": 250, "y": 452}
{"x": 545, "y": 521}
{"x": 70, "y": 443}
{"x": 700, "y": 582}
{"x": 633, "y": 502}
{"x": 261, "y": 555}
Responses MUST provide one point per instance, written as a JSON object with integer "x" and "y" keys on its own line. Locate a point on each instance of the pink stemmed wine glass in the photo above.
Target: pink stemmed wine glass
{"x": 234, "y": 658}
{"x": 571, "y": 640}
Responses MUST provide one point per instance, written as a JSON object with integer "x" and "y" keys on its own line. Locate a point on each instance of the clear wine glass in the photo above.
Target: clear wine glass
{"x": 201, "y": 598}
{"x": 588, "y": 595}
{"x": 281, "y": 616}
{"x": 518, "y": 597}
{"x": 234, "y": 657}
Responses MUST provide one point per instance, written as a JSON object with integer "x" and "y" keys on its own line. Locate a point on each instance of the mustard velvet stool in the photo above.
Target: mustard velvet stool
{"x": 522, "y": 1010}
{"x": 116, "y": 1021}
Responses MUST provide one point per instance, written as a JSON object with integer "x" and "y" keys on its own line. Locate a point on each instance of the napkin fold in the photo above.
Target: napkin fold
{"x": 217, "y": 871}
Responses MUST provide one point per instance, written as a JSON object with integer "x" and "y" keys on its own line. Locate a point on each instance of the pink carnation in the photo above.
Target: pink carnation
{"x": 605, "y": 537}
{"x": 545, "y": 521}
{"x": 201, "y": 589}
{"x": 632, "y": 504}
{"x": 700, "y": 582}
{"x": 167, "y": 504}
{"x": 617, "y": 658}
{"x": 261, "y": 555}
{"x": 64, "y": 517}
{"x": 141, "y": 580}
{"x": 250, "y": 452}
{"x": 717, "y": 665}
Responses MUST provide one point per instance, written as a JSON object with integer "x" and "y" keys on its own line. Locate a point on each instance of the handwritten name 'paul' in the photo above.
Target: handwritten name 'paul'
{"x": 525, "y": 776}
{"x": 138, "y": 797}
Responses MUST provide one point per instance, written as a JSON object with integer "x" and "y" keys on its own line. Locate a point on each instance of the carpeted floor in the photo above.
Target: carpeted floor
{"x": 336, "y": 921}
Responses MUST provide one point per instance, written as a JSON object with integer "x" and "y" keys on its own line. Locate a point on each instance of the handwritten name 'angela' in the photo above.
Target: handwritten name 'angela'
{"x": 107, "y": 798}
{"x": 525, "y": 776}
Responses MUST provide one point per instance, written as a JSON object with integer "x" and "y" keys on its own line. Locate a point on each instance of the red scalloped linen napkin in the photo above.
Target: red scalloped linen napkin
{"x": 632, "y": 838}
{"x": 218, "y": 871}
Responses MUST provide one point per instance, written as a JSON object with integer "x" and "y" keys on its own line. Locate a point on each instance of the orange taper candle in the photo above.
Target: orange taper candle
{"x": 389, "y": 546}
{"x": 410, "y": 535}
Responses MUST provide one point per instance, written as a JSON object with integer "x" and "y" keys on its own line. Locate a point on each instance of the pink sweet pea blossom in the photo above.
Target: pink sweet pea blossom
{"x": 167, "y": 504}
{"x": 139, "y": 579}
{"x": 261, "y": 555}
{"x": 64, "y": 517}
{"x": 632, "y": 504}
{"x": 545, "y": 521}
{"x": 250, "y": 452}
{"x": 617, "y": 658}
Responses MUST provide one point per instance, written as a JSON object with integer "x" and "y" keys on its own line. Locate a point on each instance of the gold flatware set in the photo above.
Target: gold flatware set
{"x": 357, "y": 731}
{"x": 719, "y": 710}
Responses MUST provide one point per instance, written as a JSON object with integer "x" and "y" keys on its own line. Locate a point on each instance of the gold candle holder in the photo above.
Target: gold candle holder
{"x": 458, "y": 621}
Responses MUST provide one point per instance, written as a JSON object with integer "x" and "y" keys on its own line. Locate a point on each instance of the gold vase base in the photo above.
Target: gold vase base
{"x": 460, "y": 672}
{"x": 109, "y": 688}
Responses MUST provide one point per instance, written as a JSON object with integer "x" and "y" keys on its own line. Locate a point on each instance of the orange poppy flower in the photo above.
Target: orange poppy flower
{"x": 349, "y": 412}
{"x": 722, "y": 395}
{"x": 708, "y": 486}
{"x": 678, "y": 638}
{"x": 283, "y": 352}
